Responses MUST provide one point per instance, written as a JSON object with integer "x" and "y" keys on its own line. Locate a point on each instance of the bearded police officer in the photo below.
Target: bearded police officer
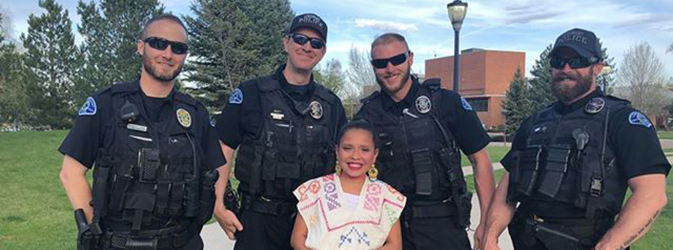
{"x": 421, "y": 128}
{"x": 571, "y": 163}
{"x": 155, "y": 155}
{"x": 284, "y": 126}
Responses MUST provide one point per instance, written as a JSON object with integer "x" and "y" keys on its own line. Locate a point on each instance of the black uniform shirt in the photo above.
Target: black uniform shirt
{"x": 457, "y": 117}
{"x": 636, "y": 147}
{"x": 87, "y": 134}
{"x": 244, "y": 117}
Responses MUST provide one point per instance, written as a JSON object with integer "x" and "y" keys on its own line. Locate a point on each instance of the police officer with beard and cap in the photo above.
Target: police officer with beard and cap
{"x": 154, "y": 152}
{"x": 571, "y": 163}
{"x": 284, "y": 126}
{"x": 421, "y": 128}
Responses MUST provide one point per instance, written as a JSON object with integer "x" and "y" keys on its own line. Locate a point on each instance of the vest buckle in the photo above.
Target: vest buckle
{"x": 596, "y": 186}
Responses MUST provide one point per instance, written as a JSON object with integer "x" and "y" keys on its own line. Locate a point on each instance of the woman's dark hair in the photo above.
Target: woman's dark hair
{"x": 358, "y": 124}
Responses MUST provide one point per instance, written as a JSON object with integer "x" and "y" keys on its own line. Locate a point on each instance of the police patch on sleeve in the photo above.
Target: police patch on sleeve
{"x": 236, "y": 97}
{"x": 466, "y": 105}
{"x": 637, "y": 118}
{"x": 89, "y": 107}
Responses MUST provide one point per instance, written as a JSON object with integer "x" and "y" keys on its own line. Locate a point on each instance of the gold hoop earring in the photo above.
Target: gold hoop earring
{"x": 337, "y": 168}
{"x": 373, "y": 172}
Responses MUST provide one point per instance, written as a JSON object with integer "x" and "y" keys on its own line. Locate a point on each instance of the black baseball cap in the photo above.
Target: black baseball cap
{"x": 311, "y": 21}
{"x": 582, "y": 41}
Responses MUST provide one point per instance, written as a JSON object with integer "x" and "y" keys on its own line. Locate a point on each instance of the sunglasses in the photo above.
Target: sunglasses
{"x": 302, "y": 39}
{"x": 574, "y": 62}
{"x": 157, "y": 43}
{"x": 395, "y": 60}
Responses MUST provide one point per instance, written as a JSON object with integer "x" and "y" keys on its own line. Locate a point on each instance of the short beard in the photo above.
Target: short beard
{"x": 567, "y": 94}
{"x": 405, "y": 78}
{"x": 147, "y": 65}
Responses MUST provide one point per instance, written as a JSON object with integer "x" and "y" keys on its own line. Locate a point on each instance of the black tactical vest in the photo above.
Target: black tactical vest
{"x": 418, "y": 155}
{"x": 150, "y": 175}
{"x": 567, "y": 159}
{"x": 295, "y": 144}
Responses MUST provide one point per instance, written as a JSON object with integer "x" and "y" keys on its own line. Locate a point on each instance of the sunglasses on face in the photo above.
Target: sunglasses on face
{"x": 574, "y": 62}
{"x": 302, "y": 39}
{"x": 395, "y": 60}
{"x": 157, "y": 43}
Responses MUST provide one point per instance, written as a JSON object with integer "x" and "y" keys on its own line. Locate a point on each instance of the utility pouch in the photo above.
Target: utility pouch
{"x": 529, "y": 162}
{"x": 422, "y": 163}
{"x": 269, "y": 165}
{"x": 553, "y": 238}
{"x": 464, "y": 204}
{"x": 558, "y": 157}
{"x": 148, "y": 162}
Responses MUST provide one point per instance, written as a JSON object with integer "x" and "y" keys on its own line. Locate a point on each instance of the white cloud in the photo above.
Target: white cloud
{"x": 385, "y": 25}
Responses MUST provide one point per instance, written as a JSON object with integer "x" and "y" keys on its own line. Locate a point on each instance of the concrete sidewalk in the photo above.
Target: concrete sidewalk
{"x": 214, "y": 237}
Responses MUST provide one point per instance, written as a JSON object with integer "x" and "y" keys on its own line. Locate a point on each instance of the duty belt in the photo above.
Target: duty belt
{"x": 166, "y": 241}
{"x": 261, "y": 204}
{"x": 446, "y": 208}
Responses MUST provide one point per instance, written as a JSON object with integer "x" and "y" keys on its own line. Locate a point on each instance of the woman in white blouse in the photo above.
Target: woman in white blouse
{"x": 349, "y": 209}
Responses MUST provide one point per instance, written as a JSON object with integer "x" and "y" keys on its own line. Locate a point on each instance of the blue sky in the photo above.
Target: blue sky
{"x": 517, "y": 25}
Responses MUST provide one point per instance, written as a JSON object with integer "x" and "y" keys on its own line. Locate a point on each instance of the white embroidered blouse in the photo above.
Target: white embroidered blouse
{"x": 333, "y": 225}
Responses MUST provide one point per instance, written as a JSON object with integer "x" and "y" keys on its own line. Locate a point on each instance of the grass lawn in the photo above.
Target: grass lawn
{"x": 36, "y": 214}
{"x": 495, "y": 152}
{"x": 665, "y": 134}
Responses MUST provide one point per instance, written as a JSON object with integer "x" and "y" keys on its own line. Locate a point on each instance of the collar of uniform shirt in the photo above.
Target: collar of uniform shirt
{"x": 563, "y": 109}
{"x": 297, "y": 92}
{"x": 408, "y": 101}
{"x": 169, "y": 98}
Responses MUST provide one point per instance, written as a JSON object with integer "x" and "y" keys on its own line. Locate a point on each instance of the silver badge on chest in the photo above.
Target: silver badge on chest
{"x": 423, "y": 104}
{"x": 315, "y": 109}
{"x": 595, "y": 105}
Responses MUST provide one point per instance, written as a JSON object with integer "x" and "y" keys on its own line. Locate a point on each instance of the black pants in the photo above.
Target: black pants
{"x": 525, "y": 236}
{"x": 433, "y": 233}
{"x": 264, "y": 231}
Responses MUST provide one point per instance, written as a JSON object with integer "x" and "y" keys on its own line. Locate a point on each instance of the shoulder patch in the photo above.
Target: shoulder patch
{"x": 637, "y": 118}
{"x": 236, "y": 97}
{"x": 466, "y": 105}
{"x": 89, "y": 107}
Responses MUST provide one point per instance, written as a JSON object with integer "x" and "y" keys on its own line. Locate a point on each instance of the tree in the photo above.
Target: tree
{"x": 233, "y": 41}
{"x": 517, "y": 104}
{"x": 642, "y": 72}
{"x": 110, "y": 32}
{"x": 540, "y": 84}
{"x": 360, "y": 74}
{"x": 52, "y": 59}
{"x": 331, "y": 76}
{"x": 13, "y": 96}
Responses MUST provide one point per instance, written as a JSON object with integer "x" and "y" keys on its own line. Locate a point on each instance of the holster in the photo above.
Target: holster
{"x": 461, "y": 196}
{"x": 88, "y": 235}
{"x": 232, "y": 200}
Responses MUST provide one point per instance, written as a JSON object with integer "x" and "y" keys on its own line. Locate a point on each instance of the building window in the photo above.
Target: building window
{"x": 479, "y": 104}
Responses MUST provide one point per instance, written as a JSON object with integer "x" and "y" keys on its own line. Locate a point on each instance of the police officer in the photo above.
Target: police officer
{"x": 421, "y": 128}
{"x": 571, "y": 162}
{"x": 154, "y": 152}
{"x": 284, "y": 126}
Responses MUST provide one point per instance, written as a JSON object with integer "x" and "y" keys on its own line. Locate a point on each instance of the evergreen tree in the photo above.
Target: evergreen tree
{"x": 13, "y": 97}
{"x": 111, "y": 32}
{"x": 540, "y": 94}
{"x": 52, "y": 59}
{"x": 517, "y": 104}
{"x": 233, "y": 41}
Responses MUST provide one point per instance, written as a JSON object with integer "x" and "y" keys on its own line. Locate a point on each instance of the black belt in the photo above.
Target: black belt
{"x": 264, "y": 205}
{"x": 128, "y": 242}
{"x": 440, "y": 209}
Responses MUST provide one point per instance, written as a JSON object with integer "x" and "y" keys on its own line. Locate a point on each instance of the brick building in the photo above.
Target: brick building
{"x": 484, "y": 77}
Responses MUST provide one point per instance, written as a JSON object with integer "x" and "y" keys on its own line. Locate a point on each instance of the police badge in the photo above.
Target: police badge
{"x": 315, "y": 109}
{"x": 423, "y": 104}
{"x": 184, "y": 118}
{"x": 595, "y": 105}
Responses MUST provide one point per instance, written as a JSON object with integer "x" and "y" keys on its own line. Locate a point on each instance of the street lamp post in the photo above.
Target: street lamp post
{"x": 457, "y": 11}
{"x": 605, "y": 72}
